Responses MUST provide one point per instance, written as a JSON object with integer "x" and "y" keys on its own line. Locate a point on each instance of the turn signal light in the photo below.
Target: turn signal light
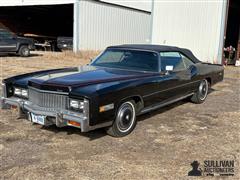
{"x": 74, "y": 123}
{"x": 106, "y": 107}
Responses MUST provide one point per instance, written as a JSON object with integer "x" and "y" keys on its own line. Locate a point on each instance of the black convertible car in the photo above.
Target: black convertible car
{"x": 121, "y": 83}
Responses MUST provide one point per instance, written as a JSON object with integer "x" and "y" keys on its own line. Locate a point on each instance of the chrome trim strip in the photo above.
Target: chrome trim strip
{"x": 8, "y": 46}
{"x": 4, "y": 90}
{"x": 159, "y": 105}
{"x": 170, "y": 88}
{"x": 46, "y": 91}
{"x": 134, "y": 49}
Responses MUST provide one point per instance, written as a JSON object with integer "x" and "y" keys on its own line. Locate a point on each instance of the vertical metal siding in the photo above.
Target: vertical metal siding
{"x": 103, "y": 25}
{"x": 192, "y": 24}
{"x": 137, "y": 4}
{"x": 76, "y": 26}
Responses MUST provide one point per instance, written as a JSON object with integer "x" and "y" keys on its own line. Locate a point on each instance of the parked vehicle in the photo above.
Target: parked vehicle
{"x": 65, "y": 43}
{"x": 10, "y": 43}
{"x": 120, "y": 84}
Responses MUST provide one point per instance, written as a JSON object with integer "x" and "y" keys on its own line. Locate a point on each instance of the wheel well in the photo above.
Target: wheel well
{"x": 20, "y": 45}
{"x": 138, "y": 102}
{"x": 209, "y": 80}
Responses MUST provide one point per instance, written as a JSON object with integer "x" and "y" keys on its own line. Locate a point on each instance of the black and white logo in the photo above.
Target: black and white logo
{"x": 212, "y": 168}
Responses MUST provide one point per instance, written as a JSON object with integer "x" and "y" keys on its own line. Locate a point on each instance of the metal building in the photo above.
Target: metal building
{"x": 205, "y": 27}
{"x": 103, "y": 24}
{"x": 92, "y": 24}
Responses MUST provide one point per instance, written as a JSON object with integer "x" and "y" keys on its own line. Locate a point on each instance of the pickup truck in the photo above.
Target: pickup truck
{"x": 120, "y": 84}
{"x": 10, "y": 43}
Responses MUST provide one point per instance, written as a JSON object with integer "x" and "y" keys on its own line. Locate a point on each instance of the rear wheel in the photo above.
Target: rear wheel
{"x": 24, "y": 51}
{"x": 125, "y": 120}
{"x": 201, "y": 95}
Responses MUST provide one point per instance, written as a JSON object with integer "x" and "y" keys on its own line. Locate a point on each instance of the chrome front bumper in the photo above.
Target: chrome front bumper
{"x": 60, "y": 117}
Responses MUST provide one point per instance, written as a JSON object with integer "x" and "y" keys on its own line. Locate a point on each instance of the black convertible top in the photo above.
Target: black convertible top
{"x": 158, "y": 48}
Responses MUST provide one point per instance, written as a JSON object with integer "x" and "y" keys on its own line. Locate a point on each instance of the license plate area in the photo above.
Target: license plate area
{"x": 39, "y": 119}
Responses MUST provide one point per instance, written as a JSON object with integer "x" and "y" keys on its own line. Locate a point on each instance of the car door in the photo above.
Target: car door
{"x": 179, "y": 74}
{"x": 167, "y": 83}
{"x": 8, "y": 42}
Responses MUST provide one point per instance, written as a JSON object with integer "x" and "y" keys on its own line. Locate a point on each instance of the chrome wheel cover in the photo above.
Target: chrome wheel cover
{"x": 125, "y": 117}
{"x": 203, "y": 90}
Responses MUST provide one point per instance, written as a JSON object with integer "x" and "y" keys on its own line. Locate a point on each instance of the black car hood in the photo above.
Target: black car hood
{"x": 68, "y": 78}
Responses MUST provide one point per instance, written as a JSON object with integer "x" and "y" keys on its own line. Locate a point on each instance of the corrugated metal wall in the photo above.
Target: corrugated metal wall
{"x": 103, "y": 25}
{"x": 137, "y": 4}
{"x": 197, "y": 25}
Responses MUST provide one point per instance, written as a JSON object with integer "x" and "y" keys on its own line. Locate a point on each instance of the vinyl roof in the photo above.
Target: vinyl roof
{"x": 158, "y": 48}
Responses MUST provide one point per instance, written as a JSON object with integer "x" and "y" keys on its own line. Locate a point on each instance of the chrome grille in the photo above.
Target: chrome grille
{"x": 47, "y": 99}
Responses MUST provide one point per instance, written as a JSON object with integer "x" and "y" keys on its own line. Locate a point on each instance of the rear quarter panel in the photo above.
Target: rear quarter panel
{"x": 213, "y": 71}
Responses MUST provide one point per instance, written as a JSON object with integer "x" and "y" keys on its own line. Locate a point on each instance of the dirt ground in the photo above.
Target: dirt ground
{"x": 162, "y": 146}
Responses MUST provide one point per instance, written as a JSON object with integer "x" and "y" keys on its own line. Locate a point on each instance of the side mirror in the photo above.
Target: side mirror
{"x": 91, "y": 60}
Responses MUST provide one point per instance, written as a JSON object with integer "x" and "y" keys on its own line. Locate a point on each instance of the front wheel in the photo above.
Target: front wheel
{"x": 24, "y": 51}
{"x": 201, "y": 95}
{"x": 125, "y": 120}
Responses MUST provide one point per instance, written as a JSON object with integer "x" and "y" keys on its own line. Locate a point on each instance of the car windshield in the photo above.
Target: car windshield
{"x": 128, "y": 59}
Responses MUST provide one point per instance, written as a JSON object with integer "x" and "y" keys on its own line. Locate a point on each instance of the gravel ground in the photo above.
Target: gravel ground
{"x": 162, "y": 146}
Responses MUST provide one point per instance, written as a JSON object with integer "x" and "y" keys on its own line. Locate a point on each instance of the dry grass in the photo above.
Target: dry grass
{"x": 232, "y": 72}
{"x": 12, "y": 65}
{"x": 85, "y": 55}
